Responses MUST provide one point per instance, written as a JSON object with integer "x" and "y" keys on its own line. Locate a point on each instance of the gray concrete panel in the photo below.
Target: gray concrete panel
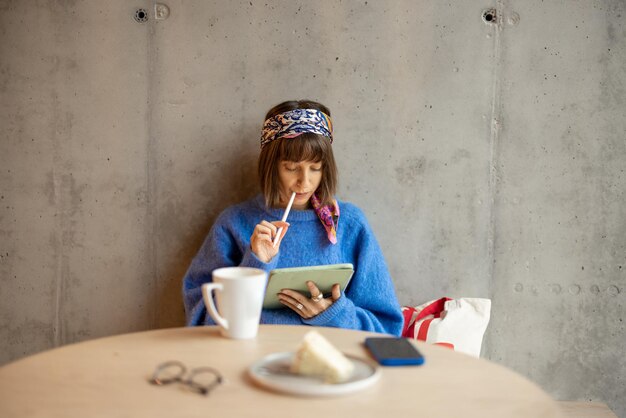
{"x": 74, "y": 180}
{"x": 558, "y": 282}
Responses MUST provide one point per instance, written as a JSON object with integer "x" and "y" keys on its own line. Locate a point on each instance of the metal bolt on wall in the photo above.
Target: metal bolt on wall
{"x": 161, "y": 12}
{"x": 141, "y": 15}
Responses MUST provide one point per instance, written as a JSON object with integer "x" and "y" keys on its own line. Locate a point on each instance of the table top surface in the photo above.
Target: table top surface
{"x": 109, "y": 377}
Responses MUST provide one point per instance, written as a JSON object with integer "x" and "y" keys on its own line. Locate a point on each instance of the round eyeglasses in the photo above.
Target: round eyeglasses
{"x": 201, "y": 379}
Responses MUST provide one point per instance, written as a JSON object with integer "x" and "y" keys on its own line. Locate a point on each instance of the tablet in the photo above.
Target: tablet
{"x": 295, "y": 278}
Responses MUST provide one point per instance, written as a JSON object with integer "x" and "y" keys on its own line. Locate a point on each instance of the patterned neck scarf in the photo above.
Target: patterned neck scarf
{"x": 329, "y": 215}
{"x": 296, "y": 122}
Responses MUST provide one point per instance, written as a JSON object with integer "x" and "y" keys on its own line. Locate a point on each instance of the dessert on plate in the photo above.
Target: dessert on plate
{"x": 316, "y": 356}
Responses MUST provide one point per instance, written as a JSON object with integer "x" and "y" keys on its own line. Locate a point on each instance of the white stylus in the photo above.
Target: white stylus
{"x": 280, "y": 230}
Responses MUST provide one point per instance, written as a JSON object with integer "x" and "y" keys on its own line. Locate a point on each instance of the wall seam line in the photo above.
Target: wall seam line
{"x": 59, "y": 245}
{"x": 152, "y": 199}
{"x": 494, "y": 138}
{"x": 58, "y": 258}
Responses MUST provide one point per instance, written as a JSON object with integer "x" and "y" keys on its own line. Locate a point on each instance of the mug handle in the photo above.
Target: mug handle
{"x": 207, "y": 290}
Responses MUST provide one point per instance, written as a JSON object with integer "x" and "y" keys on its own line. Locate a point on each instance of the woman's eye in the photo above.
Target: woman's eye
{"x": 316, "y": 168}
{"x": 288, "y": 168}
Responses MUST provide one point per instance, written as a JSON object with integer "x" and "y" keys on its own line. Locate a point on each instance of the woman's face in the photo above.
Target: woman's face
{"x": 303, "y": 177}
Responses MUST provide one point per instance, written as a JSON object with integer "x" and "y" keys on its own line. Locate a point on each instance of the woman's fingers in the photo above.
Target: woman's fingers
{"x": 292, "y": 296}
{"x": 262, "y": 239}
{"x": 308, "y": 307}
{"x": 282, "y": 227}
{"x": 295, "y": 305}
{"x": 313, "y": 290}
{"x": 264, "y": 230}
{"x": 268, "y": 230}
{"x": 280, "y": 224}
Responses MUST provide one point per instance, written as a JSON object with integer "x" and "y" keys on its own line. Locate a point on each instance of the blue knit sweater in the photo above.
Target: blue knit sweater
{"x": 369, "y": 302}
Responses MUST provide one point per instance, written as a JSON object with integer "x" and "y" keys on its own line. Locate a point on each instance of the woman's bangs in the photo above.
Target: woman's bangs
{"x": 305, "y": 147}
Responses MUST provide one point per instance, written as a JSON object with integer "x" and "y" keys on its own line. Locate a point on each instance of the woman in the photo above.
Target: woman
{"x": 296, "y": 156}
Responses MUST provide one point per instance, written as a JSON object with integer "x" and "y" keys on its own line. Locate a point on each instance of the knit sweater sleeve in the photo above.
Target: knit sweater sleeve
{"x": 370, "y": 302}
{"x": 221, "y": 248}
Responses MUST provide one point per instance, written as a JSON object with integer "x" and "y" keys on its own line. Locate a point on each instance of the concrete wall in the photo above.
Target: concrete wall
{"x": 488, "y": 158}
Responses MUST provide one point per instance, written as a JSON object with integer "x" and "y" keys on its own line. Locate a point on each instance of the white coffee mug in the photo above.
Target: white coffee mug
{"x": 239, "y": 293}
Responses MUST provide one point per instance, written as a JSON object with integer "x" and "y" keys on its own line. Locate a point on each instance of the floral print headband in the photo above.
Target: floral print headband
{"x": 295, "y": 122}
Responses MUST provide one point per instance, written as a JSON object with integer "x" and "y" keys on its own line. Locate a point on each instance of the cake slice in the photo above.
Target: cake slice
{"x": 318, "y": 357}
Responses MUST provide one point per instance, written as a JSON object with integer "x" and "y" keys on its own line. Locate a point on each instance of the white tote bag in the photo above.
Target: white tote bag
{"x": 455, "y": 323}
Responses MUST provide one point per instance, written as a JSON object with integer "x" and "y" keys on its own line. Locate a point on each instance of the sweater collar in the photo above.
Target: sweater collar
{"x": 277, "y": 213}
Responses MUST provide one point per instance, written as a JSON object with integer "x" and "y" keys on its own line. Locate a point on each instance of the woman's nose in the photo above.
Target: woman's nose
{"x": 303, "y": 178}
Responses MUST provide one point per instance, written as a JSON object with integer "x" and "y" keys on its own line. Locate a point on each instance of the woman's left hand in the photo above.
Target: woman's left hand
{"x": 308, "y": 307}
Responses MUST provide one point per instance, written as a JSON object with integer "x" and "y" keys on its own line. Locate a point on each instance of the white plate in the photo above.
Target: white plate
{"x": 273, "y": 373}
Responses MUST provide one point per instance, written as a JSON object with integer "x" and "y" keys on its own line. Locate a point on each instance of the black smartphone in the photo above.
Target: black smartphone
{"x": 391, "y": 351}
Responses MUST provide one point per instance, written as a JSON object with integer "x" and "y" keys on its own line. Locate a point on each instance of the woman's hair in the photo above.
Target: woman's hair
{"x": 305, "y": 147}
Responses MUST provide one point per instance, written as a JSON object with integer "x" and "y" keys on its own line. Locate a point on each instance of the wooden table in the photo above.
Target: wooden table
{"x": 108, "y": 377}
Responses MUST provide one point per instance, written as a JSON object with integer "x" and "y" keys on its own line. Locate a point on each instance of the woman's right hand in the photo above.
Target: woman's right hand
{"x": 261, "y": 241}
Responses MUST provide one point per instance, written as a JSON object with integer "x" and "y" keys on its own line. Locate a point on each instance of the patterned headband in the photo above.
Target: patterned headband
{"x": 296, "y": 122}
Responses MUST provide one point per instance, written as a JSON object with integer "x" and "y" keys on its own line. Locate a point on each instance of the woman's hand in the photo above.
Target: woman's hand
{"x": 308, "y": 307}
{"x": 261, "y": 241}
